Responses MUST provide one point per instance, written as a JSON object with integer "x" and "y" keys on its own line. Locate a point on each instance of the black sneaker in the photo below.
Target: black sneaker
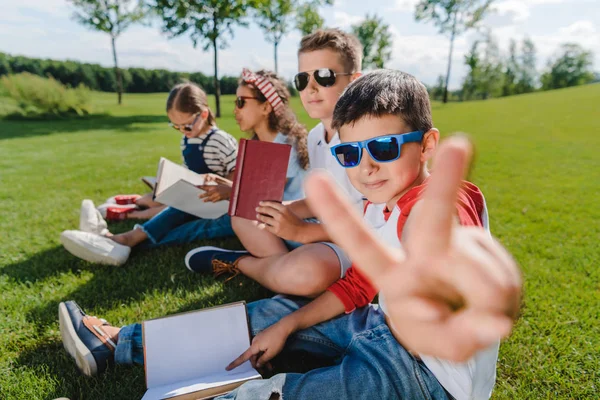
{"x": 84, "y": 339}
{"x": 208, "y": 259}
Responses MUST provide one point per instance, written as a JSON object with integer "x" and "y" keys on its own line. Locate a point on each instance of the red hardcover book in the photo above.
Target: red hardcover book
{"x": 260, "y": 175}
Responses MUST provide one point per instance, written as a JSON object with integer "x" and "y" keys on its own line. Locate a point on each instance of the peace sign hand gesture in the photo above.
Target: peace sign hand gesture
{"x": 451, "y": 291}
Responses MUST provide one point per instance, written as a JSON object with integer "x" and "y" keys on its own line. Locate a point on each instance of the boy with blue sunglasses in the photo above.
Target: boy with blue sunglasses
{"x": 448, "y": 293}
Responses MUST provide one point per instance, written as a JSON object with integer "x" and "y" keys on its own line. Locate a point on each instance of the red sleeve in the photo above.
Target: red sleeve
{"x": 469, "y": 206}
{"x": 354, "y": 290}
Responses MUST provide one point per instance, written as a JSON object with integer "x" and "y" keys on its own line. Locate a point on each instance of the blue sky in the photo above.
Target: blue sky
{"x": 44, "y": 28}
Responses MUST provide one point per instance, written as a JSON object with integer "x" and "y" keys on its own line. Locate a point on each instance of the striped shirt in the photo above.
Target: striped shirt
{"x": 220, "y": 151}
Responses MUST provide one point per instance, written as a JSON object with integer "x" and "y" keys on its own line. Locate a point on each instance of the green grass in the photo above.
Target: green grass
{"x": 538, "y": 166}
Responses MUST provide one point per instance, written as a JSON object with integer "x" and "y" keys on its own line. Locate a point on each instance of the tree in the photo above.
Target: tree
{"x": 512, "y": 71}
{"x": 471, "y": 80}
{"x": 437, "y": 92}
{"x": 308, "y": 19}
{"x": 275, "y": 18}
{"x": 527, "y": 72}
{"x": 571, "y": 67}
{"x": 452, "y": 17}
{"x": 485, "y": 78}
{"x": 376, "y": 40}
{"x": 491, "y": 77}
{"x": 112, "y": 17}
{"x": 208, "y": 22}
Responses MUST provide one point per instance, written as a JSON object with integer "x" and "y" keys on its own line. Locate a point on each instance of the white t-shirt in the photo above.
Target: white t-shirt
{"x": 319, "y": 154}
{"x": 473, "y": 379}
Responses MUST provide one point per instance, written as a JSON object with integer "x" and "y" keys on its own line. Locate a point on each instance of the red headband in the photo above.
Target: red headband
{"x": 265, "y": 87}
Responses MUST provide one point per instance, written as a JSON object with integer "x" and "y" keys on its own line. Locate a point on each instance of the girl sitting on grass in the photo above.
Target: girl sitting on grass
{"x": 205, "y": 149}
{"x": 262, "y": 109}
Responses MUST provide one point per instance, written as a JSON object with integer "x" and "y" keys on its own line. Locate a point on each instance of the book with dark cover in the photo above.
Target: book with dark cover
{"x": 260, "y": 175}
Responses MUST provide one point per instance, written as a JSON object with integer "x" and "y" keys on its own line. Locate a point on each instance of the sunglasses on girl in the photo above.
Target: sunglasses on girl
{"x": 381, "y": 149}
{"x": 240, "y": 102}
{"x": 323, "y": 76}
{"x": 185, "y": 127}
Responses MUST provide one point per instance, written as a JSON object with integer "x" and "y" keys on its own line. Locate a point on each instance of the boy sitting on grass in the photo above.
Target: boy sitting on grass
{"x": 287, "y": 252}
{"x": 448, "y": 293}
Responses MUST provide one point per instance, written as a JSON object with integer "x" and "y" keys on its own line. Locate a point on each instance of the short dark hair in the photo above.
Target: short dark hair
{"x": 385, "y": 92}
{"x": 345, "y": 44}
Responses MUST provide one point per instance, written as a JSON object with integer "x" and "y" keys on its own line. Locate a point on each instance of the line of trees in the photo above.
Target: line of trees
{"x": 492, "y": 73}
{"x": 208, "y": 23}
{"x": 97, "y": 77}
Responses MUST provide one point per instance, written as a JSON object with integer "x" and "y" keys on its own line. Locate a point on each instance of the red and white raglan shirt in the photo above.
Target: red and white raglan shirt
{"x": 473, "y": 379}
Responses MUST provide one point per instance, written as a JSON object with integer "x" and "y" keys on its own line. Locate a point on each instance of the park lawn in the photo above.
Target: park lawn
{"x": 536, "y": 161}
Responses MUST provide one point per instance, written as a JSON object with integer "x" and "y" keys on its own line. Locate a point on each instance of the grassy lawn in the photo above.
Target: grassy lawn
{"x": 535, "y": 164}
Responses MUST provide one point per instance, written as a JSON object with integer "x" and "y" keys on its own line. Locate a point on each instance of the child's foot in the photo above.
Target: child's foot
{"x": 94, "y": 248}
{"x": 208, "y": 259}
{"x": 90, "y": 219}
{"x": 85, "y": 339}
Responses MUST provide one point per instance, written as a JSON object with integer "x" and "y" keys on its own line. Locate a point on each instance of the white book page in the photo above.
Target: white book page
{"x": 193, "y": 385}
{"x": 194, "y": 345}
{"x": 169, "y": 173}
{"x": 183, "y": 196}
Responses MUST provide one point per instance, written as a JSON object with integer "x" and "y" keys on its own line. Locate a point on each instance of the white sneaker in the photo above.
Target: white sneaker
{"x": 94, "y": 248}
{"x": 90, "y": 219}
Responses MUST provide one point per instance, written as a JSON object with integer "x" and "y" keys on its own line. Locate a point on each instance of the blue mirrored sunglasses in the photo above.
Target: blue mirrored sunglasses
{"x": 381, "y": 149}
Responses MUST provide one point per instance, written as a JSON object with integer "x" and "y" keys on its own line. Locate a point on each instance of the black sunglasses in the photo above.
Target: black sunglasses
{"x": 240, "y": 102}
{"x": 323, "y": 76}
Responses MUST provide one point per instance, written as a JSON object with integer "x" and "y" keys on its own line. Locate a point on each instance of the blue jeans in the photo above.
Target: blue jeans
{"x": 369, "y": 362}
{"x": 172, "y": 226}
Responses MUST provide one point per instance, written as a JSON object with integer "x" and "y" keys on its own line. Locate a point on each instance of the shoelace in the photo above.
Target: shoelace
{"x": 220, "y": 268}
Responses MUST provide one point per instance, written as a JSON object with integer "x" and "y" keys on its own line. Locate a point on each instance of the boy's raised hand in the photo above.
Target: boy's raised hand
{"x": 451, "y": 290}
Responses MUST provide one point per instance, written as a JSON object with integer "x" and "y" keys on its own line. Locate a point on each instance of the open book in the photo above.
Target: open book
{"x": 185, "y": 355}
{"x": 176, "y": 186}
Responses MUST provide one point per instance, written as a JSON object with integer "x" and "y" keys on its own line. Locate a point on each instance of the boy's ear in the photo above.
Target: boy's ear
{"x": 429, "y": 144}
{"x": 355, "y": 76}
{"x": 204, "y": 114}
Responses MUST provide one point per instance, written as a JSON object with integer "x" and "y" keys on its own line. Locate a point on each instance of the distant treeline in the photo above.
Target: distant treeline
{"x": 97, "y": 77}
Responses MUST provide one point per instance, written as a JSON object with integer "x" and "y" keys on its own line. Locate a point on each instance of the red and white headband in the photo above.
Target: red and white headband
{"x": 265, "y": 87}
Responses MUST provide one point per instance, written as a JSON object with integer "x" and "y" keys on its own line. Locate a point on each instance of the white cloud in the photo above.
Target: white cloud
{"x": 515, "y": 10}
{"x": 583, "y": 28}
{"x": 344, "y": 20}
{"x": 404, "y": 5}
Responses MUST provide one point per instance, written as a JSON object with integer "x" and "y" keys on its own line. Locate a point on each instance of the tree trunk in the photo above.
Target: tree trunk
{"x": 275, "y": 45}
{"x": 117, "y": 71}
{"x": 450, "y": 57}
{"x": 216, "y": 81}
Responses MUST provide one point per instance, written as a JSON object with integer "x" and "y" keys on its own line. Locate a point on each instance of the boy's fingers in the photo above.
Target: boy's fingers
{"x": 459, "y": 337}
{"x": 346, "y": 227}
{"x": 435, "y": 218}
{"x": 264, "y": 358}
{"x": 245, "y": 356}
{"x": 273, "y": 204}
{"x": 266, "y": 211}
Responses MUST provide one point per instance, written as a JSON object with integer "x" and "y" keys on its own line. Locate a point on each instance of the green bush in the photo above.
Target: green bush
{"x": 40, "y": 97}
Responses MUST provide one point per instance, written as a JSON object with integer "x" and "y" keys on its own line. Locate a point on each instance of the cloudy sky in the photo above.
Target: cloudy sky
{"x": 45, "y": 29}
